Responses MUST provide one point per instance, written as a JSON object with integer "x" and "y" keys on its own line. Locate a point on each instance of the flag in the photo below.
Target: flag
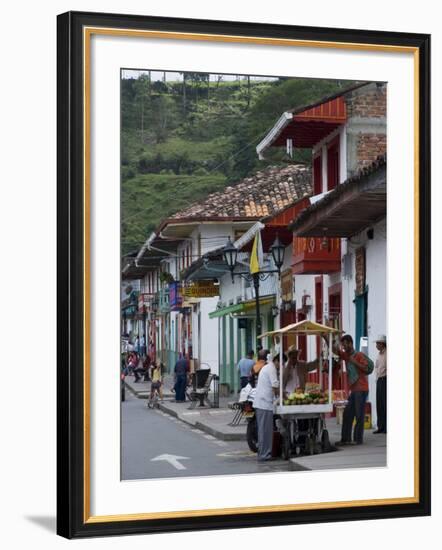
{"x": 256, "y": 259}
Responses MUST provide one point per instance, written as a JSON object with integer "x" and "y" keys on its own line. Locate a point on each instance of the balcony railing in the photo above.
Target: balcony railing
{"x": 316, "y": 255}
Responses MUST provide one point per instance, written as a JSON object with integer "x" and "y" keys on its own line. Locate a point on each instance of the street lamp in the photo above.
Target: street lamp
{"x": 144, "y": 329}
{"x": 277, "y": 250}
{"x": 230, "y": 254}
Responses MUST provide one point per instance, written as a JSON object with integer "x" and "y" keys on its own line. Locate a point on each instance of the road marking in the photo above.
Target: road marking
{"x": 233, "y": 454}
{"x": 172, "y": 459}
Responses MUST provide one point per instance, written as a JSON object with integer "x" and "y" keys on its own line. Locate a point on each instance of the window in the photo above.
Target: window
{"x": 317, "y": 175}
{"x": 333, "y": 164}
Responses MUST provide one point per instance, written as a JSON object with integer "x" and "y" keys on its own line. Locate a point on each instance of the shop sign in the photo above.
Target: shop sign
{"x": 287, "y": 286}
{"x": 175, "y": 295}
{"x": 144, "y": 301}
{"x": 201, "y": 289}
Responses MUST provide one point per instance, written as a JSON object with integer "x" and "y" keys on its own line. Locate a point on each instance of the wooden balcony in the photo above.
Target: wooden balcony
{"x": 316, "y": 255}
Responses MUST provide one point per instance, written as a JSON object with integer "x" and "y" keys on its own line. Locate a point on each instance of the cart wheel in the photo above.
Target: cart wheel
{"x": 310, "y": 445}
{"x": 285, "y": 446}
{"x": 325, "y": 442}
{"x": 252, "y": 435}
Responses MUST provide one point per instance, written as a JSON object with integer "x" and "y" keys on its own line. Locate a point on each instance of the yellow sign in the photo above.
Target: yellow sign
{"x": 201, "y": 289}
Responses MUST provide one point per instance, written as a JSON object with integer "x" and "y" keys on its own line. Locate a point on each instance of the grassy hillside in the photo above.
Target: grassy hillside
{"x": 185, "y": 139}
{"x": 148, "y": 198}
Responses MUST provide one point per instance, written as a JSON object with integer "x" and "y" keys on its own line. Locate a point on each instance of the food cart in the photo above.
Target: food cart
{"x": 300, "y": 418}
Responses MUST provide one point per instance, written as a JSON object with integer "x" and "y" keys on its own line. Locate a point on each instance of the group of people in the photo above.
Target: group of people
{"x": 264, "y": 375}
{"x": 138, "y": 345}
{"x": 142, "y": 367}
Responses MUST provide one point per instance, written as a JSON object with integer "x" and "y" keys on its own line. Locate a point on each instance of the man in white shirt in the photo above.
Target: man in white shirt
{"x": 381, "y": 384}
{"x": 266, "y": 390}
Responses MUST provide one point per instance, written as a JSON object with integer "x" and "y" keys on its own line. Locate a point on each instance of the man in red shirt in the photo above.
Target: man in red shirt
{"x": 357, "y": 364}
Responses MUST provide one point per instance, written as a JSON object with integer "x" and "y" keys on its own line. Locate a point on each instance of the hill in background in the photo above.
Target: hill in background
{"x": 186, "y": 138}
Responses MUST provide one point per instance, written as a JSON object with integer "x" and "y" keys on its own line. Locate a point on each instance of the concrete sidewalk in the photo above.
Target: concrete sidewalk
{"x": 215, "y": 421}
{"x": 372, "y": 454}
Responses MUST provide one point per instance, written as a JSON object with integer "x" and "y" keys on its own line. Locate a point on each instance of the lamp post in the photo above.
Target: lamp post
{"x": 230, "y": 255}
{"x": 144, "y": 330}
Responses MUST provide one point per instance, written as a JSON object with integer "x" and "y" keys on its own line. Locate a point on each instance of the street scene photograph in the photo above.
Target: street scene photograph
{"x": 253, "y": 274}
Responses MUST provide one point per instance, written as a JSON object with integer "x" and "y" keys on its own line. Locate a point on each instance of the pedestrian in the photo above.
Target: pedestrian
{"x": 245, "y": 367}
{"x": 266, "y": 389}
{"x": 137, "y": 345}
{"x": 143, "y": 345}
{"x": 146, "y": 364}
{"x": 157, "y": 380}
{"x": 181, "y": 371}
{"x": 296, "y": 371}
{"x": 138, "y": 369}
{"x": 359, "y": 366}
{"x": 381, "y": 384}
{"x": 131, "y": 363}
{"x": 256, "y": 369}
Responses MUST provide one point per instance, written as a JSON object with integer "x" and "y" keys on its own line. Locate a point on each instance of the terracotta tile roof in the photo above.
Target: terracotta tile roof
{"x": 263, "y": 194}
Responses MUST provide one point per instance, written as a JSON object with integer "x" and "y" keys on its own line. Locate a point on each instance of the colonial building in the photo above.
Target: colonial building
{"x": 187, "y": 298}
{"x": 261, "y": 196}
{"x": 338, "y": 275}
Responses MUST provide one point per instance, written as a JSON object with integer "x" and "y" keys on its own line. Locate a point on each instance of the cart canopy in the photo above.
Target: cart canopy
{"x": 303, "y": 327}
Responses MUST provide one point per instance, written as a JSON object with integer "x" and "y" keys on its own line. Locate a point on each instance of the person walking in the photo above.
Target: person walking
{"x": 266, "y": 389}
{"x": 157, "y": 380}
{"x": 359, "y": 366}
{"x": 244, "y": 368}
{"x": 137, "y": 345}
{"x": 381, "y": 384}
{"x": 181, "y": 371}
{"x": 143, "y": 345}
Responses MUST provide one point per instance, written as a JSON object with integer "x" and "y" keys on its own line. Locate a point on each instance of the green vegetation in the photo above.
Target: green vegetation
{"x": 183, "y": 140}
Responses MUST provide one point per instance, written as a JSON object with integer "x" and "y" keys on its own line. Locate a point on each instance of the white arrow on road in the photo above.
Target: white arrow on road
{"x": 173, "y": 460}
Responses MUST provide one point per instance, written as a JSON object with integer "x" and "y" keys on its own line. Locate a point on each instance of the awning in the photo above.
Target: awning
{"x": 243, "y": 307}
{"x": 303, "y": 327}
{"x": 307, "y": 126}
{"x": 351, "y": 207}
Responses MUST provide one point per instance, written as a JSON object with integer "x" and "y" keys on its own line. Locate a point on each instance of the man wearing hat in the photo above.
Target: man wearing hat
{"x": 381, "y": 384}
{"x": 296, "y": 371}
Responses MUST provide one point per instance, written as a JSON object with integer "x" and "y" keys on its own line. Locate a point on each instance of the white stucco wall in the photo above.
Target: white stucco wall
{"x": 208, "y": 335}
{"x": 376, "y": 282}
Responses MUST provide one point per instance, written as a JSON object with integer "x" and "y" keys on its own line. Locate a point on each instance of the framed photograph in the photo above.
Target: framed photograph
{"x": 243, "y": 233}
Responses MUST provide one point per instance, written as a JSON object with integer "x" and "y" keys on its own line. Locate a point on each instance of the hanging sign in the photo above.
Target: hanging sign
{"x": 201, "y": 289}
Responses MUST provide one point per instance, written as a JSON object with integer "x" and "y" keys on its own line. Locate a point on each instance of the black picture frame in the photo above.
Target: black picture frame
{"x": 72, "y": 520}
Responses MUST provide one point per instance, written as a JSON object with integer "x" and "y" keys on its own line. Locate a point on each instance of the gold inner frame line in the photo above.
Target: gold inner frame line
{"x": 87, "y": 34}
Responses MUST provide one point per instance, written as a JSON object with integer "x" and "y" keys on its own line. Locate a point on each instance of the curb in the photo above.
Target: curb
{"x": 203, "y": 427}
{"x": 221, "y": 435}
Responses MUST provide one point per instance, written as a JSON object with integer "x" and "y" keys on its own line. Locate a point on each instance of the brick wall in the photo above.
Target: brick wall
{"x": 367, "y": 107}
{"x": 367, "y": 103}
{"x": 369, "y": 147}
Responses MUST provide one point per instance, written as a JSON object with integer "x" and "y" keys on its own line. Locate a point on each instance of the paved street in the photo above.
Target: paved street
{"x": 157, "y": 445}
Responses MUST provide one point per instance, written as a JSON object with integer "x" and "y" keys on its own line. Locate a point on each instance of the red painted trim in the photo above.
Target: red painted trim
{"x": 317, "y": 174}
{"x": 313, "y": 268}
{"x": 333, "y": 161}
